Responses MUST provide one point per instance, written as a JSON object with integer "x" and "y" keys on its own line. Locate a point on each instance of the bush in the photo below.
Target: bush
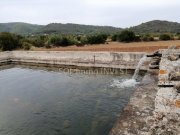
{"x": 55, "y": 40}
{"x": 147, "y": 38}
{"x": 34, "y": 41}
{"x": 178, "y": 37}
{"x": 26, "y": 46}
{"x": 47, "y": 46}
{"x": 137, "y": 38}
{"x": 69, "y": 40}
{"x": 97, "y": 39}
{"x": 114, "y": 37}
{"x": 105, "y": 36}
{"x": 83, "y": 40}
{"x": 126, "y": 36}
{"x": 9, "y": 41}
{"x": 165, "y": 37}
{"x": 37, "y": 41}
{"x": 63, "y": 40}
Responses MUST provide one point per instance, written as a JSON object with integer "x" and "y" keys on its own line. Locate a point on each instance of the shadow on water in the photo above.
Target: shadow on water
{"x": 48, "y": 101}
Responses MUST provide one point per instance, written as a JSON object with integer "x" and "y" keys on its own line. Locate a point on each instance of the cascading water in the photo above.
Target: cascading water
{"x": 142, "y": 60}
{"x": 130, "y": 82}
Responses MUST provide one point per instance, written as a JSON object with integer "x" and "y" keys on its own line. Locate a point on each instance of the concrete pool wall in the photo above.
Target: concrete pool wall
{"x": 154, "y": 108}
{"x": 150, "y": 109}
{"x": 122, "y": 60}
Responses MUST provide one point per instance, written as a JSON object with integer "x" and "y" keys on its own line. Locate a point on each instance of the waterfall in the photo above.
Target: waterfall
{"x": 142, "y": 60}
{"x": 130, "y": 82}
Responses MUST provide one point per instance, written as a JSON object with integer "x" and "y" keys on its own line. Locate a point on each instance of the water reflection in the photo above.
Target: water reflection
{"x": 40, "y": 102}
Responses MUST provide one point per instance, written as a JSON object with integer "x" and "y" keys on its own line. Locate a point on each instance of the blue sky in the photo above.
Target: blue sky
{"x": 119, "y": 13}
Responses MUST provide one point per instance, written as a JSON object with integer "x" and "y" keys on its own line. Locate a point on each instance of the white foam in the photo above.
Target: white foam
{"x": 130, "y": 82}
{"x": 124, "y": 83}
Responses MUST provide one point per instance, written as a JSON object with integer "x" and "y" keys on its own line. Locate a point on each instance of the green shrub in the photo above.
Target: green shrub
{"x": 55, "y": 40}
{"x": 26, "y": 46}
{"x": 126, "y": 36}
{"x": 78, "y": 38}
{"x": 114, "y": 37}
{"x": 9, "y": 41}
{"x": 178, "y": 37}
{"x": 83, "y": 40}
{"x": 47, "y": 46}
{"x": 147, "y": 38}
{"x": 96, "y": 39}
{"x": 36, "y": 41}
{"x": 65, "y": 41}
{"x": 69, "y": 40}
{"x": 105, "y": 36}
{"x": 137, "y": 38}
{"x": 165, "y": 37}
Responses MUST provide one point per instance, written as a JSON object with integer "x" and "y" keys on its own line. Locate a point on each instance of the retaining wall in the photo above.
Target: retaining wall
{"x": 123, "y": 60}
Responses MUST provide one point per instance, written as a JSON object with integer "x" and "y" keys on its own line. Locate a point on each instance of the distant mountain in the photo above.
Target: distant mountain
{"x": 157, "y": 26}
{"x": 19, "y": 28}
{"x": 25, "y": 28}
{"x": 70, "y": 28}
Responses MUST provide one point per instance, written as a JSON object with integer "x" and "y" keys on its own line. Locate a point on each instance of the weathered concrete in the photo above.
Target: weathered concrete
{"x": 154, "y": 110}
{"x": 122, "y": 60}
{"x": 136, "y": 117}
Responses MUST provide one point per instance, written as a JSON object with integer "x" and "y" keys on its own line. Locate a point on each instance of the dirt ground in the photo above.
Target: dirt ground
{"x": 118, "y": 47}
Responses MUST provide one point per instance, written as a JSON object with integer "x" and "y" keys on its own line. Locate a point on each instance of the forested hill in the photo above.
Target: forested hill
{"x": 157, "y": 26}
{"x": 70, "y": 28}
{"x": 53, "y": 28}
{"x": 19, "y": 28}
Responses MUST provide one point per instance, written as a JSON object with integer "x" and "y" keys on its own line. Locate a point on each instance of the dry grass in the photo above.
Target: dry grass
{"x": 119, "y": 47}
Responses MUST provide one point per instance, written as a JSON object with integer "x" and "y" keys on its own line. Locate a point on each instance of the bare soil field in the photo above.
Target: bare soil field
{"x": 118, "y": 47}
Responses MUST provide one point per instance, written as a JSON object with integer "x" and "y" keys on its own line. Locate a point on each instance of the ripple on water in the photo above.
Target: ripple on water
{"x": 53, "y": 103}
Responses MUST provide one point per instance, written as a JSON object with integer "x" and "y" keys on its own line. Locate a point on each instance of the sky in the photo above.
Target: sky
{"x": 118, "y": 13}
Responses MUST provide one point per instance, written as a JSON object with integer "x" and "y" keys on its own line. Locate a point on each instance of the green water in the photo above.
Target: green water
{"x": 39, "y": 102}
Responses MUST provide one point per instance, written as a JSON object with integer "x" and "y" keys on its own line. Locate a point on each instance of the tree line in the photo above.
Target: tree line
{"x": 9, "y": 41}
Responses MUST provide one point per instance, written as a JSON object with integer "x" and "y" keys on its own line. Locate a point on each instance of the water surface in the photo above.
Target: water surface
{"x": 38, "y": 102}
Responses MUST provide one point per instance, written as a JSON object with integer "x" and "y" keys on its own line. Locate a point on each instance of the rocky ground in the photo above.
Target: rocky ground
{"x": 139, "y": 117}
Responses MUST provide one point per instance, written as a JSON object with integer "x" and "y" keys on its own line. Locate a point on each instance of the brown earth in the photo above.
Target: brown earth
{"x": 118, "y": 47}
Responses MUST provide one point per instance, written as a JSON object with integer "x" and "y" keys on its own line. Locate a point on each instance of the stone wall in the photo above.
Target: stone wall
{"x": 167, "y": 96}
{"x": 154, "y": 108}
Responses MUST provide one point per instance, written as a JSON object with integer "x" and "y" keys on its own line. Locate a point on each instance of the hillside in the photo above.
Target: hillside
{"x": 157, "y": 26}
{"x": 76, "y": 29}
{"x": 25, "y": 28}
{"x": 19, "y": 28}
